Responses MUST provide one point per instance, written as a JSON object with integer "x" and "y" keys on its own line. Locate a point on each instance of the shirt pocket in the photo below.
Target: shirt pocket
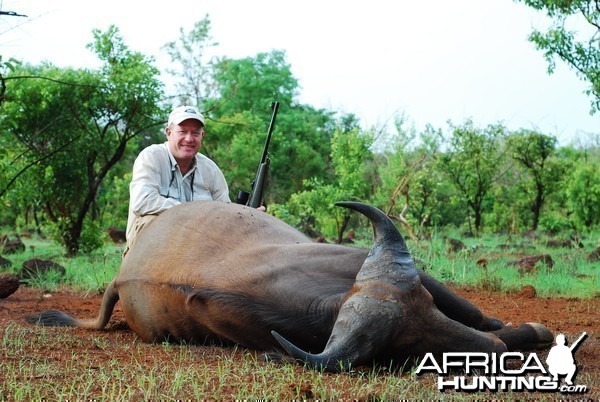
{"x": 171, "y": 191}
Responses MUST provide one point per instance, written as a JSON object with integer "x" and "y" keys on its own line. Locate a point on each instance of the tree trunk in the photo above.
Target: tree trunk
{"x": 537, "y": 205}
{"x": 342, "y": 229}
{"x": 72, "y": 241}
{"x": 94, "y": 182}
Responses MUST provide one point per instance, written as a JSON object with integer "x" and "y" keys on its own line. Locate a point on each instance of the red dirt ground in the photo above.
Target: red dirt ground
{"x": 568, "y": 316}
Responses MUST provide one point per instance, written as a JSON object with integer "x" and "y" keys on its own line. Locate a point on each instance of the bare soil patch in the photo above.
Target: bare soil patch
{"x": 568, "y": 316}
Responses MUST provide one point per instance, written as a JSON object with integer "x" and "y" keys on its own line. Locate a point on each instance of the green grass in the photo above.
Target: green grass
{"x": 571, "y": 275}
{"x": 85, "y": 273}
{"x": 117, "y": 366}
{"x": 172, "y": 372}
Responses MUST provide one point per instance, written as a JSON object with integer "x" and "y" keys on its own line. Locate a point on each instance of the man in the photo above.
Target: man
{"x": 560, "y": 359}
{"x": 168, "y": 174}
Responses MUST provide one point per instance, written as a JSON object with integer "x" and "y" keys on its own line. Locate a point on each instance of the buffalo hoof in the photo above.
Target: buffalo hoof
{"x": 529, "y": 336}
{"x": 545, "y": 338}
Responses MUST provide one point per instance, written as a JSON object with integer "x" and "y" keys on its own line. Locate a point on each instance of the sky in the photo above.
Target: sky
{"x": 433, "y": 61}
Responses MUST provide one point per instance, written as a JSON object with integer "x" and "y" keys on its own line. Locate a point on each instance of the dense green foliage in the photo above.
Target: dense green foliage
{"x": 69, "y": 136}
{"x": 65, "y": 129}
{"x": 580, "y": 49}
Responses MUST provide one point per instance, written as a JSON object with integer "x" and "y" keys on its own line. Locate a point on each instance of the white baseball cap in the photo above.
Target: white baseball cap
{"x": 182, "y": 113}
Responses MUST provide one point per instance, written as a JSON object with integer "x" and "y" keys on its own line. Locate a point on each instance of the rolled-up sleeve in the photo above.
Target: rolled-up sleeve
{"x": 145, "y": 188}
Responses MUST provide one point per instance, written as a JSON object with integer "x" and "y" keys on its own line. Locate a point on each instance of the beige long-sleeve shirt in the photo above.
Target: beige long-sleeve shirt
{"x": 157, "y": 183}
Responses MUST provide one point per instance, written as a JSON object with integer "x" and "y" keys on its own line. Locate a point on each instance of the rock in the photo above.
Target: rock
{"x": 9, "y": 284}
{"x": 594, "y": 256}
{"x": 527, "y": 265}
{"x": 528, "y": 292}
{"x": 563, "y": 243}
{"x": 13, "y": 246}
{"x": 116, "y": 235}
{"x": 455, "y": 245}
{"x": 36, "y": 267}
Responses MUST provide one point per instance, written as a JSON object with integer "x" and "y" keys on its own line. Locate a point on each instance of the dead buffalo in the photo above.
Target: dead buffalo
{"x": 211, "y": 272}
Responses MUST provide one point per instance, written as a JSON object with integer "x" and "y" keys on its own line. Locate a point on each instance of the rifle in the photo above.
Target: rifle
{"x": 12, "y": 13}
{"x": 254, "y": 199}
{"x": 576, "y": 343}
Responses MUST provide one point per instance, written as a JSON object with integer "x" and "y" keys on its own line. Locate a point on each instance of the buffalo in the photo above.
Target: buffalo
{"x": 210, "y": 272}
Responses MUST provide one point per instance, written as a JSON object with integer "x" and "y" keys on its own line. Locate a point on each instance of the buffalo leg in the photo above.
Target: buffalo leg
{"x": 457, "y": 308}
{"x": 524, "y": 337}
{"x": 527, "y": 336}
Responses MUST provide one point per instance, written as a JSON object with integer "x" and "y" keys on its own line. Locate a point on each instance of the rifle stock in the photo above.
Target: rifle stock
{"x": 259, "y": 184}
{"x": 254, "y": 199}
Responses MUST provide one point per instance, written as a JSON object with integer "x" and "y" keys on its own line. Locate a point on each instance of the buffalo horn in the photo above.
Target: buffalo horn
{"x": 356, "y": 336}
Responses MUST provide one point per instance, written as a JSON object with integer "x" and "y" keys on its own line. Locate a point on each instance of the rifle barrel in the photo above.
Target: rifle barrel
{"x": 258, "y": 185}
{"x": 274, "y": 107}
{"x": 574, "y": 344}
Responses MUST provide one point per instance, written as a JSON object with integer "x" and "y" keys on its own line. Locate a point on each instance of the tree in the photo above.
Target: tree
{"x": 7, "y": 65}
{"x": 235, "y": 95}
{"x": 189, "y": 65}
{"x": 580, "y": 185}
{"x": 350, "y": 156}
{"x": 40, "y": 133}
{"x": 240, "y": 115}
{"x": 581, "y": 53}
{"x": 249, "y": 83}
{"x": 85, "y": 126}
{"x": 409, "y": 185}
{"x": 472, "y": 163}
{"x": 532, "y": 151}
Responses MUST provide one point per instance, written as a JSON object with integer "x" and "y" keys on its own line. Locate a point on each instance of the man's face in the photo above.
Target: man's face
{"x": 185, "y": 139}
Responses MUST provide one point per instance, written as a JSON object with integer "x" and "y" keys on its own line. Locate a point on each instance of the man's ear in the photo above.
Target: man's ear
{"x": 167, "y": 131}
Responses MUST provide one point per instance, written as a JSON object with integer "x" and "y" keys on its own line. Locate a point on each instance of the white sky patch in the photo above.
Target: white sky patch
{"x": 433, "y": 61}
